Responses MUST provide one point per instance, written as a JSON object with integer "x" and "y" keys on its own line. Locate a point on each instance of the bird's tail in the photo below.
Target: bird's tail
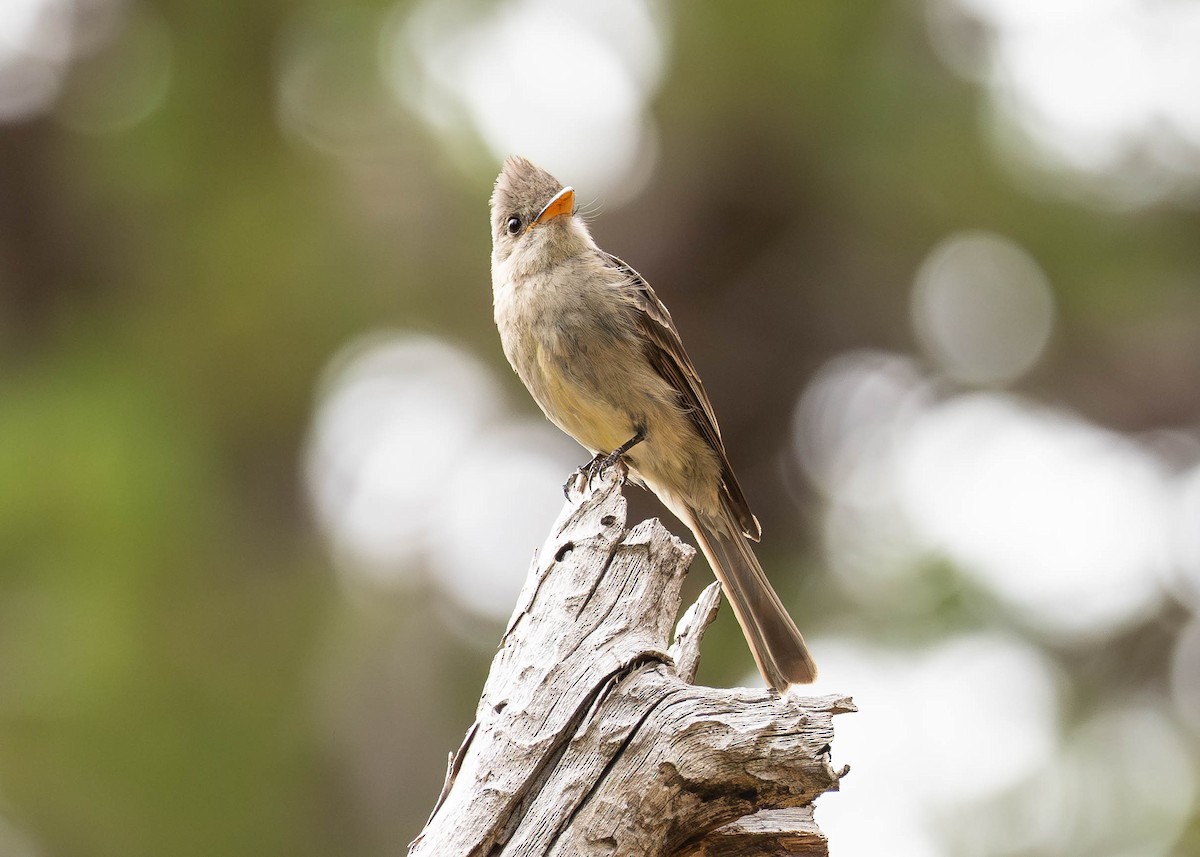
{"x": 775, "y": 642}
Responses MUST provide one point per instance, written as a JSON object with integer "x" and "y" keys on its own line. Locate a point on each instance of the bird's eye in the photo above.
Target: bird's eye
{"x": 514, "y": 225}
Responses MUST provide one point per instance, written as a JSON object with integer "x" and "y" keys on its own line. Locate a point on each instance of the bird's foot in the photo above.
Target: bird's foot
{"x": 600, "y": 464}
{"x": 579, "y": 480}
{"x": 583, "y": 478}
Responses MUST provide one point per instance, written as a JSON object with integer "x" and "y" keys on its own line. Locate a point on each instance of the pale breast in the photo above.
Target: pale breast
{"x": 565, "y": 334}
{"x": 571, "y": 337}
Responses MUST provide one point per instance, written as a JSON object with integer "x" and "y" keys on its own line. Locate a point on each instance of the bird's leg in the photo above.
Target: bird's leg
{"x": 612, "y": 458}
{"x": 601, "y": 462}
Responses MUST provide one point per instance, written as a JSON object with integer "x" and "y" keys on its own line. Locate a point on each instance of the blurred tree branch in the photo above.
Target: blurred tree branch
{"x": 591, "y": 738}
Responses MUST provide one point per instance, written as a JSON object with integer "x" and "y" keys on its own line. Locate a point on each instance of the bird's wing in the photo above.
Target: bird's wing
{"x": 665, "y": 351}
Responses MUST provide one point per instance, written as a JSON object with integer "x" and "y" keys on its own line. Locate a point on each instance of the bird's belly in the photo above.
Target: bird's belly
{"x": 579, "y": 403}
{"x": 603, "y": 404}
{"x": 589, "y": 378}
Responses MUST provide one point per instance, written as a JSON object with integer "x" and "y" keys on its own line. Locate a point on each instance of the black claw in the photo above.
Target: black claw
{"x": 593, "y": 468}
{"x": 585, "y": 470}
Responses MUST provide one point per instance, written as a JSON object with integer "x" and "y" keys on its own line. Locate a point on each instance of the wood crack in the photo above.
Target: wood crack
{"x": 589, "y": 740}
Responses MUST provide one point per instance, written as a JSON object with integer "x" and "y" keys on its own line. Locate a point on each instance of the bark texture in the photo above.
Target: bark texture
{"x": 590, "y": 739}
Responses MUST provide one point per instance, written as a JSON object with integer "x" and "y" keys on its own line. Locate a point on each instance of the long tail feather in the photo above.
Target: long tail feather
{"x": 775, "y": 642}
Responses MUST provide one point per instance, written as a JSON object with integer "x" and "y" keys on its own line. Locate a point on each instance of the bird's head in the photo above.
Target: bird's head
{"x": 534, "y": 225}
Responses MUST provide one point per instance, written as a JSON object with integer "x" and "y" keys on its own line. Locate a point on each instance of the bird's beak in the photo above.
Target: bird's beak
{"x": 562, "y": 203}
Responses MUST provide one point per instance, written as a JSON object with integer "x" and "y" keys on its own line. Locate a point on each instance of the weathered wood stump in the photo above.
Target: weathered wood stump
{"x": 590, "y": 738}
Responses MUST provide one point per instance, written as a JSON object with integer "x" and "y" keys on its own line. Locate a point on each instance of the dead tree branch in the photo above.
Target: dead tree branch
{"x": 590, "y": 738}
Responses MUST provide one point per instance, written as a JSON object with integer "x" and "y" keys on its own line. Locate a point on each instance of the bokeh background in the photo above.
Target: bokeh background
{"x": 268, "y": 488}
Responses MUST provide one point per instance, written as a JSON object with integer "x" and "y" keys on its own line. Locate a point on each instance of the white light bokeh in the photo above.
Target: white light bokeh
{"x": 1129, "y": 778}
{"x": 981, "y": 711}
{"x": 1186, "y": 531}
{"x": 566, "y": 84}
{"x": 395, "y": 414}
{"x": 496, "y": 508}
{"x": 1122, "y": 783}
{"x": 415, "y": 465}
{"x": 1066, "y": 522}
{"x": 1072, "y": 526}
{"x": 982, "y": 308}
{"x": 35, "y": 47}
{"x": 1100, "y": 91}
{"x": 39, "y": 41}
{"x": 850, "y": 414}
{"x": 844, "y": 430}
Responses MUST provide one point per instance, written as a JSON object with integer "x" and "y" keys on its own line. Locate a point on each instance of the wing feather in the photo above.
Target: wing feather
{"x": 665, "y": 351}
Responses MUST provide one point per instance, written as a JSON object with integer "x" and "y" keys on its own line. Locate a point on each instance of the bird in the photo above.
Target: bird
{"x": 601, "y": 356}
